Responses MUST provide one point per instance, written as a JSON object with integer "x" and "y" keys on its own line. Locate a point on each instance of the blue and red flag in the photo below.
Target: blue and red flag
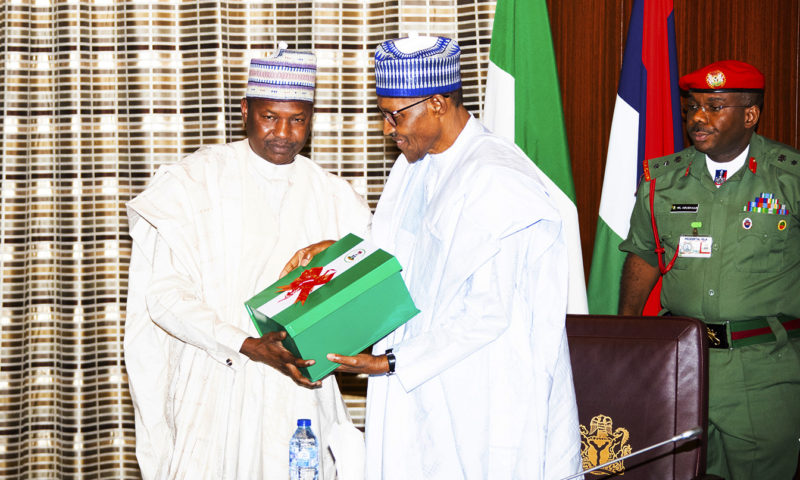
{"x": 646, "y": 124}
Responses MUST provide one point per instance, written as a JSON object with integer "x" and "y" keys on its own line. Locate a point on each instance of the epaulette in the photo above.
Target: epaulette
{"x": 656, "y": 167}
{"x": 785, "y": 158}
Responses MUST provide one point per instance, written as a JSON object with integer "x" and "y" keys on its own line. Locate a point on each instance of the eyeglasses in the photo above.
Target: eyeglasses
{"x": 389, "y": 116}
{"x": 692, "y": 108}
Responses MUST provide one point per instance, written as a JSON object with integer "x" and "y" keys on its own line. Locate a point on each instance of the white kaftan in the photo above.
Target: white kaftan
{"x": 483, "y": 388}
{"x": 208, "y": 233}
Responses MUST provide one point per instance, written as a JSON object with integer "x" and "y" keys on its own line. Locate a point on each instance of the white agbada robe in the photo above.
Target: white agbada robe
{"x": 208, "y": 233}
{"x": 483, "y": 388}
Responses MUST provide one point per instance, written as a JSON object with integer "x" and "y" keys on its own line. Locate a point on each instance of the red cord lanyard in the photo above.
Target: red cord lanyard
{"x": 659, "y": 248}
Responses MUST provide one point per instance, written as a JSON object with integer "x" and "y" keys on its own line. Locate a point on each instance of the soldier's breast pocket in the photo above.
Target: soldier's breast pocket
{"x": 763, "y": 240}
{"x": 671, "y": 227}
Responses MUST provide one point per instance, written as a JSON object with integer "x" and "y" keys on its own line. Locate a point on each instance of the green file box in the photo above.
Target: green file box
{"x": 353, "y": 310}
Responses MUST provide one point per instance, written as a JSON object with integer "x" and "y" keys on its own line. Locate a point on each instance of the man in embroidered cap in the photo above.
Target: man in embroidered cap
{"x": 212, "y": 399}
{"x": 720, "y": 223}
{"x": 479, "y": 384}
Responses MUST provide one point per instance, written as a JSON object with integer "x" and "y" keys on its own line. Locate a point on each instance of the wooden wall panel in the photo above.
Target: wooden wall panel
{"x": 763, "y": 33}
{"x": 589, "y": 38}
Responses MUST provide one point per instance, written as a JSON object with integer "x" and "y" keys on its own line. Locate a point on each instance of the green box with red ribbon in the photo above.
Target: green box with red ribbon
{"x": 348, "y": 297}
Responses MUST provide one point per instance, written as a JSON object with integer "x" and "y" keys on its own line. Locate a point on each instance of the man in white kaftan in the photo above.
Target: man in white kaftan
{"x": 479, "y": 384}
{"x": 208, "y": 233}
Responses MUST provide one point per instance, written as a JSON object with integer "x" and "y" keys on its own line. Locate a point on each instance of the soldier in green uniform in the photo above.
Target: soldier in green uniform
{"x": 720, "y": 223}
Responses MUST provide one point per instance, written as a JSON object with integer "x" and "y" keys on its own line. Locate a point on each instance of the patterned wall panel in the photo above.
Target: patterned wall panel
{"x": 96, "y": 95}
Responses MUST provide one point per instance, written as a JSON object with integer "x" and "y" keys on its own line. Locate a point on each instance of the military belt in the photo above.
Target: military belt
{"x": 747, "y": 332}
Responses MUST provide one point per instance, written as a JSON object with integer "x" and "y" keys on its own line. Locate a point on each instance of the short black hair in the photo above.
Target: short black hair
{"x": 753, "y": 98}
{"x": 457, "y": 96}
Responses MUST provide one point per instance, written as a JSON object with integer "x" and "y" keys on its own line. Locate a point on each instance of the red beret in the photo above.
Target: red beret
{"x": 724, "y": 76}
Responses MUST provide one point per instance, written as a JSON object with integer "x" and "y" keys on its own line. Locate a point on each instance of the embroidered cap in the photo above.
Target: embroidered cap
{"x": 284, "y": 75}
{"x": 724, "y": 76}
{"x": 417, "y": 66}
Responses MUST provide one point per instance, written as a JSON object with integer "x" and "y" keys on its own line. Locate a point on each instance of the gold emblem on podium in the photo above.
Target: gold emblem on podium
{"x": 601, "y": 443}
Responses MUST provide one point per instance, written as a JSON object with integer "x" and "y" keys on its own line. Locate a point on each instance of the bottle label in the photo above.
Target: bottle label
{"x": 303, "y": 458}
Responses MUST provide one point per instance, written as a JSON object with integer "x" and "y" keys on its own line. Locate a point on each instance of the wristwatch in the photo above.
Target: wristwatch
{"x": 392, "y": 360}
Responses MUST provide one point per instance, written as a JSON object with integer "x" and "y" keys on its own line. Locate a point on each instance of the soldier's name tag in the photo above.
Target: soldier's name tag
{"x": 684, "y": 208}
{"x": 694, "y": 247}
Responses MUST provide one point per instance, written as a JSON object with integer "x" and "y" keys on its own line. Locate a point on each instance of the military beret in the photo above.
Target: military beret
{"x": 724, "y": 76}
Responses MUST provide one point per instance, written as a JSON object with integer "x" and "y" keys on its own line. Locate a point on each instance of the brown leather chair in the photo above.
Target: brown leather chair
{"x": 640, "y": 381}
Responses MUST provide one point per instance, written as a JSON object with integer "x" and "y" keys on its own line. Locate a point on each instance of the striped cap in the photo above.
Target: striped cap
{"x": 285, "y": 75}
{"x": 417, "y": 66}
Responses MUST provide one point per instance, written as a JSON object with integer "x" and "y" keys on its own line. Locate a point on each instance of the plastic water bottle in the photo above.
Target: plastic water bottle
{"x": 303, "y": 453}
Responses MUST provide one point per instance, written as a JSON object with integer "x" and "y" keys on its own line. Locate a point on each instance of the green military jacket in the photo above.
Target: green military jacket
{"x": 754, "y": 265}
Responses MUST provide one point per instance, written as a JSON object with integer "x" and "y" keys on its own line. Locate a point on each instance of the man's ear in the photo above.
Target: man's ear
{"x": 751, "y": 116}
{"x": 438, "y": 105}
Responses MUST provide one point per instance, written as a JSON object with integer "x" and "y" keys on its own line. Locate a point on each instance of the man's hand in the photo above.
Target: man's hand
{"x": 361, "y": 363}
{"x": 269, "y": 350}
{"x": 304, "y": 255}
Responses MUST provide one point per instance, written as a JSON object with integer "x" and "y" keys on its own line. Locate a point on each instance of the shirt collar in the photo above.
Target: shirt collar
{"x": 752, "y": 153}
{"x": 267, "y": 169}
{"x": 441, "y": 163}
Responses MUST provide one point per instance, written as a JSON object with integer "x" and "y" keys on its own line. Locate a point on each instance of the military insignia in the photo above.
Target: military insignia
{"x": 752, "y": 164}
{"x": 717, "y": 335}
{"x": 715, "y": 79}
{"x": 720, "y": 176}
{"x": 766, "y": 203}
{"x": 782, "y": 225}
{"x": 713, "y": 338}
{"x": 747, "y": 224}
{"x": 601, "y": 443}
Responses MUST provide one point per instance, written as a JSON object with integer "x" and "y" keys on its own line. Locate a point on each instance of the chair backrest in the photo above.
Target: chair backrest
{"x": 640, "y": 381}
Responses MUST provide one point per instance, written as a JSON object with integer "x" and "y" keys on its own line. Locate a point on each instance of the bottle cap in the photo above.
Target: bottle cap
{"x": 303, "y": 422}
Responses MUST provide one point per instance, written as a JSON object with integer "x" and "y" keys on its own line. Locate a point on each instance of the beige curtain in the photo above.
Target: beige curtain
{"x": 95, "y": 96}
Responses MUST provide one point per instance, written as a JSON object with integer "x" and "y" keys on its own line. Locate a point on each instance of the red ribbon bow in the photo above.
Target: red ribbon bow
{"x": 306, "y": 282}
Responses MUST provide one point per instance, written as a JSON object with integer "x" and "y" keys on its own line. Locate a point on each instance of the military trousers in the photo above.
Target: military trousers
{"x": 754, "y": 411}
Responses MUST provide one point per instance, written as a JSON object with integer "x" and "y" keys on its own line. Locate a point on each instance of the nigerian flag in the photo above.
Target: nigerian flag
{"x": 523, "y": 104}
{"x": 646, "y": 124}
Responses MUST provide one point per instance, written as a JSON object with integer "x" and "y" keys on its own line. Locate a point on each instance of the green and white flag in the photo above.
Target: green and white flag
{"x": 646, "y": 124}
{"x": 523, "y": 104}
